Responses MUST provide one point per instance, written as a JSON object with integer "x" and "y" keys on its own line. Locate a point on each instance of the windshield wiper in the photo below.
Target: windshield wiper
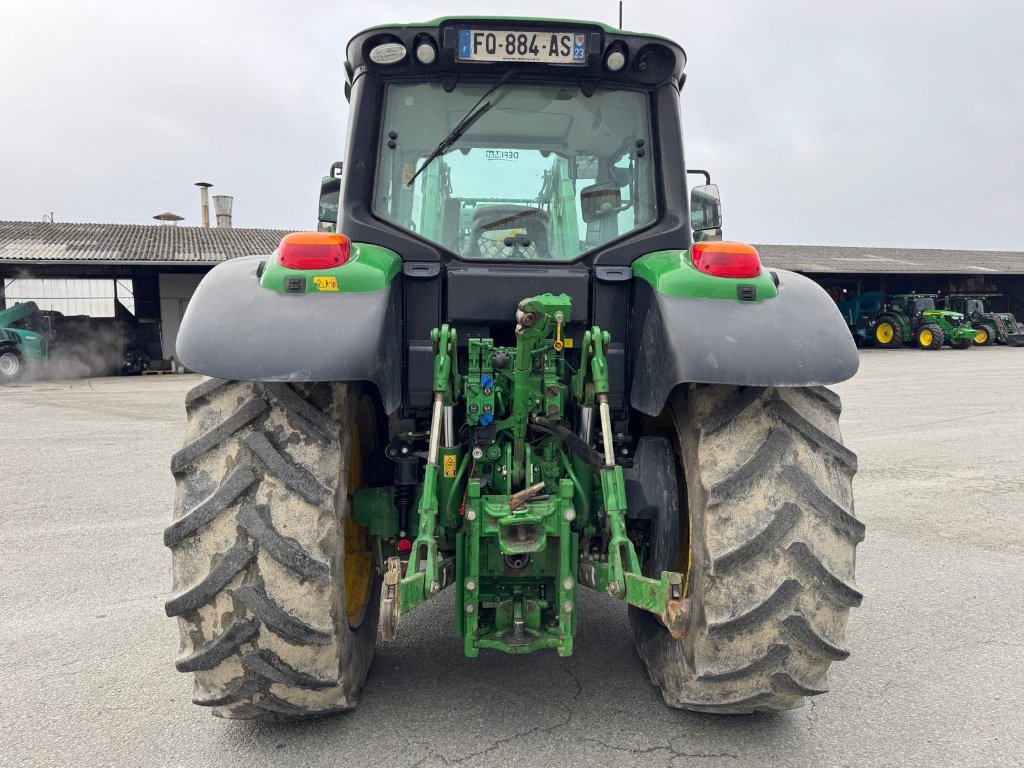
{"x": 477, "y": 111}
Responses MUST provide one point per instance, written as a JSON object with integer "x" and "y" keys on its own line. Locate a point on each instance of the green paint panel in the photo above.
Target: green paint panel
{"x": 31, "y": 344}
{"x": 369, "y": 268}
{"x": 673, "y": 274}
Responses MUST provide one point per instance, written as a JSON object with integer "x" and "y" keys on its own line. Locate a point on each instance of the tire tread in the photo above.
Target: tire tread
{"x": 245, "y": 583}
{"x": 773, "y": 550}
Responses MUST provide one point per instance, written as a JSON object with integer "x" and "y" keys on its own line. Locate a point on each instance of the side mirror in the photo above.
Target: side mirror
{"x": 705, "y": 210}
{"x": 600, "y": 200}
{"x": 330, "y": 192}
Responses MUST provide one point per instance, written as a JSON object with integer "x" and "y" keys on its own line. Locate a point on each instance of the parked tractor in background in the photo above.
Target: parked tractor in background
{"x": 47, "y": 344}
{"x": 507, "y": 366}
{"x": 912, "y": 318}
{"x": 860, "y": 313}
{"x": 992, "y": 327}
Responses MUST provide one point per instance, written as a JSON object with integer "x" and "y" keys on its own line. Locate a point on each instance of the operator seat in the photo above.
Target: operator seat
{"x": 498, "y": 232}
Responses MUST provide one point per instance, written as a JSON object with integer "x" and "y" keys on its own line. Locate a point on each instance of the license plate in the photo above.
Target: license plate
{"x": 568, "y": 48}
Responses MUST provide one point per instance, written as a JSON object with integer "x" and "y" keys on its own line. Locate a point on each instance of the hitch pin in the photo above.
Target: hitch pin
{"x": 517, "y": 500}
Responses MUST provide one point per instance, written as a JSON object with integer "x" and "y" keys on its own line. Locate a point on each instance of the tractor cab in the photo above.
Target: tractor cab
{"x": 970, "y": 304}
{"x": 912, "y": 305}
{"x": 966, "y": 305}
{"x": 474, "y": 141}
{"x": 921, "y": 308}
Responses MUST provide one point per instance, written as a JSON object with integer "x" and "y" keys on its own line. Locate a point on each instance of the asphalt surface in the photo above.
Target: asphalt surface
{"x": 936, "y": 675}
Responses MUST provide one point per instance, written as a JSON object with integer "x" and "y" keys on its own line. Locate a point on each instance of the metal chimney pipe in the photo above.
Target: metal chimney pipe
{"x": 222, "y": 205}
{"x": 204, "y": 202}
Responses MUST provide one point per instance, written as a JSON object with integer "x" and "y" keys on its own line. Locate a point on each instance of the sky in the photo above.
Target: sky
{"x": 871, "y": 123}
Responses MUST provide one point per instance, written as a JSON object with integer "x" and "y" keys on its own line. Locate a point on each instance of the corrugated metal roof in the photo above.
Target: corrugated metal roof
{"x": 829, "y": 258}
{"x": 40, "y": 242}
{"x": 30, "y": 241}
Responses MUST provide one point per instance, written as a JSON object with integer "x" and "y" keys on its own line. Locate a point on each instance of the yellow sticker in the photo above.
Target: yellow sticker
{"x": 449, "y": 465}
{"x": 568, "y": 342}
{"x": 326, "y": 283}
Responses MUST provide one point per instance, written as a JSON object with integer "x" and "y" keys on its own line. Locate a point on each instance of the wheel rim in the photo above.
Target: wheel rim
{"x": 9, "y": 364}
{"x": 358, "y": 569}
{"x": 884, "y": 333}
{"x": 926, "y": 338}
{"x": 981, "y": 336}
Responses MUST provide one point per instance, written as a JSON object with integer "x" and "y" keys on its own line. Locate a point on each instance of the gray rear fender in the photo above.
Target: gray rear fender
{"x": 235, "y": 329}
{"x": 796, "y": 339}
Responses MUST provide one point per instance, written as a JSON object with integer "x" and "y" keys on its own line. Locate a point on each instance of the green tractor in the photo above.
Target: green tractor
{"x": 504, "y": 368}
{"x": 912, "y": 318}
{"x": 992, "y": 327}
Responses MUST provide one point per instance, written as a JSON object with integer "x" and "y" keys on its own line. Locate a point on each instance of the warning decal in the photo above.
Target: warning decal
{"x": 326, "y": 283}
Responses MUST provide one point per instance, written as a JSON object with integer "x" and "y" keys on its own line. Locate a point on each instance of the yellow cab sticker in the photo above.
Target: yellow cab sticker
{"x": 449, "y": 465}
{"x": 326, "y": 283}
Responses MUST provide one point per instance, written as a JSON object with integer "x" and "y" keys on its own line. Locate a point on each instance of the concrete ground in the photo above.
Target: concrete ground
{"x": 936, "y": 676}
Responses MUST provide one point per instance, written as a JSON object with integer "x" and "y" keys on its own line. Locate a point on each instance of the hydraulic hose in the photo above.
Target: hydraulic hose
{"x": 572, "y": 441}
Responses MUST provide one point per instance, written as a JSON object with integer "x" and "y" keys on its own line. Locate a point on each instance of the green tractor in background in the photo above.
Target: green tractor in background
{"x": 992, "y": 327}
{"x": 509, "y": 368}
{"x": 912, "y": 318}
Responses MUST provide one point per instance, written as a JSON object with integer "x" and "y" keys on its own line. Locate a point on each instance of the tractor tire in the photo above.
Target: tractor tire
{"x": 276, "y": 593}
{"x": 888, "y": 333}
{"x": 771, "y": 550}
{"x": 986, "y": 334}
{"x": 11, "y": 367}
{"x": 930, "y": 336}
{"x": 961, "y": 343}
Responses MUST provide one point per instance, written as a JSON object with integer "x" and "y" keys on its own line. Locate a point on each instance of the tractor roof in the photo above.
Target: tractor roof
{"x": 519, "y": 20}
{"x": 650, "y": 60}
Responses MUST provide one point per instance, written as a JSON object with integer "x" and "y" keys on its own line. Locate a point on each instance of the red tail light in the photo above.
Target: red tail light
{"x": 726, "y": 259}
{"x": 313, "y": 250}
